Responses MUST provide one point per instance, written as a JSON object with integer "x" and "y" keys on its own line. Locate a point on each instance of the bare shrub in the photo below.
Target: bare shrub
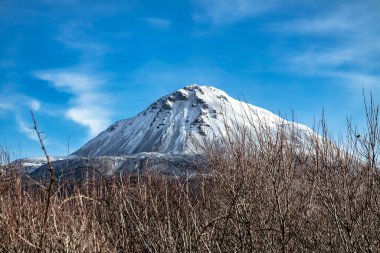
{"x": 266, "y": 190}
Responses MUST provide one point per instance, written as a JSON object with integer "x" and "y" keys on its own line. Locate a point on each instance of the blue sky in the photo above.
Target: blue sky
{"x": 81, "y": 64}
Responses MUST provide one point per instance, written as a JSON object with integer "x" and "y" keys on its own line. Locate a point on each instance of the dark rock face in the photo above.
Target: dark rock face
{"x": 79, "y": 168}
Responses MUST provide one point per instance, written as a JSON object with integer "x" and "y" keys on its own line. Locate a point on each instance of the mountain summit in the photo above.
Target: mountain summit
{"x": 171, "y": 124}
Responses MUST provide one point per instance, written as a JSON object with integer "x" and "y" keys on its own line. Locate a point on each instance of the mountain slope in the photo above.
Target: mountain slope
{"x": 175, "y": 122}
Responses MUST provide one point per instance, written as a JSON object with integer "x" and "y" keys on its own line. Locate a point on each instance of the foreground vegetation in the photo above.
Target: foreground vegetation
{"x": 262, "y": 192}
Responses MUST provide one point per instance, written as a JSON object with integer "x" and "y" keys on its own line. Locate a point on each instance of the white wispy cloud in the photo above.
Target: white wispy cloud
{"x": 80, "y": 36}
{"x": 88, "y": 106}
{"x": 35, "y": 105}
{"x": 18, "y": 102}
{"x": 52, "y": 10}
{"x": 329, "y": 21}
{"x": 345, "y": 43}
{"x": 16, "y": 105}
{"x": 357, "y": 80}
{"x": 343, "y": 39}
{"x": 26, "y": 129}
{"x": 158, "y": 22}
{"x": 69, "y": 81}
{"x": 222, "y": 12}
{"x": 5, "y": 106}
{"x": 329, "y": 57}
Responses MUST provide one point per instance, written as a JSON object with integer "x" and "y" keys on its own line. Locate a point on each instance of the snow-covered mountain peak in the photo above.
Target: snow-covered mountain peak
{"x": 171, "y": 124}
{"x": 193, "y": 93}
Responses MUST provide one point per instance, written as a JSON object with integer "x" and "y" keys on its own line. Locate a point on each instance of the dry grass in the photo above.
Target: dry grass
{"x": 262, "y": 192}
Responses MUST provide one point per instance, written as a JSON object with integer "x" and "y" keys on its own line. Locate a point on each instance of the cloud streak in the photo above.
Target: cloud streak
{"x": 225, "y": 12}
{"x": 343, "y": 39}
{"x": 79, "y": 36}
{"x": 5, "y": 106}
{"x": 158, "y": 22}
{"x": 88, "y": 104}
{"x": 35, "y": 105}
{"x": 344, "y": 43}
{"x": 26, "y": 129}
{"x": 17, "y": 104}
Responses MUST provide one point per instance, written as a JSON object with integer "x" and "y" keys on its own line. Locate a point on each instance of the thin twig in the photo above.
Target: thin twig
{"x": 52, "y": 180}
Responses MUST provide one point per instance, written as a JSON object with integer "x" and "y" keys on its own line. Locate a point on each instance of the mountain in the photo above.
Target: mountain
{"x": 165, "y": 138}
{"x": 175, "y": 123}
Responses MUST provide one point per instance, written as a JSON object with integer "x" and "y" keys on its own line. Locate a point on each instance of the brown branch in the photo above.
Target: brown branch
{"x": 52, "y": 180}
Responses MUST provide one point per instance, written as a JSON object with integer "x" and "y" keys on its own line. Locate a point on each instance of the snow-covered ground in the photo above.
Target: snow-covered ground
{"x": 29, "y": 165}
